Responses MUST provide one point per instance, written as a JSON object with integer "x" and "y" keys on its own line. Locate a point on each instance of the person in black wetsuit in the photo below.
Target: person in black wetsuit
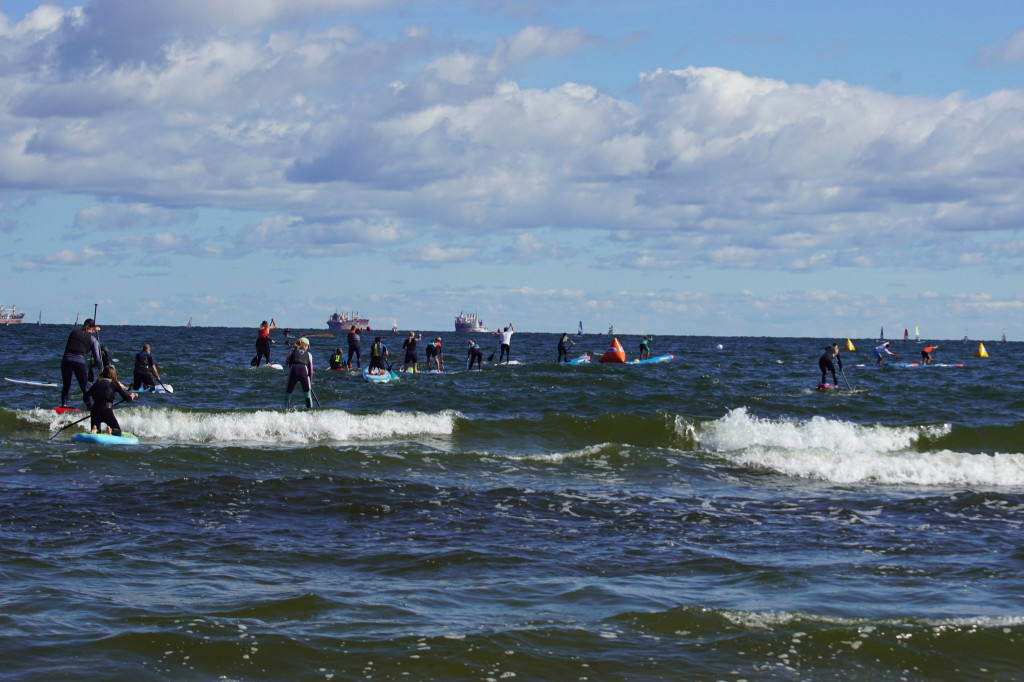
{"x": 301, "y": 364}
{"x": 353, "y": 347}
{"x": 563, "y": 351}
{"x": 411, "y": 357}
{"x": 101, "y": 394}
{"x": 475, "y": 354}
{"x": 826, "y": 365}
{"x": 81, "y": 344}
{"x": 263, "y": 342}
{"x": 145, "y": 370}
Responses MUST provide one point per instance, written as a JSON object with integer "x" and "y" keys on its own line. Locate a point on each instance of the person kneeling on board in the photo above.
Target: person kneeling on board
{"x": 301, "y": 363}
{"x": 826, "y": 365}
{"x": 378, "y": 357}
{"x": 102, "y": 396}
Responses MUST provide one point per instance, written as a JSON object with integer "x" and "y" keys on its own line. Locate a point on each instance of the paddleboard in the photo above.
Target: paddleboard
{"x": 62, "y": 410}
{"x": 105, "y": 438}
{"x": 272, "y": 365}
{"x": 822, "y": 387}
{"x": 582, "y": 360}
{"x": 159, "y": 388}
{"x": 918, "y": 365}
{"x": 379, "y": 378}
{"x": 647, "y": 361}
{"x": 27, "y": 382}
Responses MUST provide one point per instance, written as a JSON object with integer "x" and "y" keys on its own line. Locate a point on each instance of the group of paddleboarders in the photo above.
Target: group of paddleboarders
{"x": 82, "y": 347}
{"x": 826, "y": 364}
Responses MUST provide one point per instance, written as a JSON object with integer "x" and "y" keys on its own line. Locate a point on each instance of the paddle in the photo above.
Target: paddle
{"x": 314, "y": 395}
{"x": 845, "y": 379}
{"x": 95, "y": 307}
{"x": 78, "y": 421}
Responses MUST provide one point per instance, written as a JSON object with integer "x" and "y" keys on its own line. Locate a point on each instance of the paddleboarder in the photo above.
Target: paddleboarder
{"x": 563, "y": 350}
{"x": 435, "y": 353}
{"x": 645, "y": 346}
{"x": 506, "y": 344}
{"x": 926, "y": 354}
{"x": 884, "y": 348}
{"x": 825, "y": 363}
{"x": 81, "y": 344}
{"x": 411, "y": 357}
{"x": 101, "y": 396}
{"x": 378, "y": 357}
{"x": 145, "y": 370}
{"x": 301, "y": 364}
{"x": 353, "y": 347}
{"x": 475, "y": 354}
{"x": 263, "y": 342}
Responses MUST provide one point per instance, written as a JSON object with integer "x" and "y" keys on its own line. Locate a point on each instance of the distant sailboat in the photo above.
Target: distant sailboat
{"x": 579, "y": 330}
{"x": 965, "y": 335}
{"x": 394, "y": 326}
{"x": 611, "y": 330}
{"x": 40, "y": 321}
{"x": 189, "y": 325}
{"x": 881, "y": 334}
{"x": 1004, "y": 336}
{"x": 906, "y": 335}
{"x": 917, "y": 334}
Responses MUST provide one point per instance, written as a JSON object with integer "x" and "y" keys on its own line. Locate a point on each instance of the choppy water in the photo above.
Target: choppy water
{"x": 710, "y": 518}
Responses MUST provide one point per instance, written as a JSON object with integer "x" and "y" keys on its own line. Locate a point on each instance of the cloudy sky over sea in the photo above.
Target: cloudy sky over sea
{"x": 721, "y": 168}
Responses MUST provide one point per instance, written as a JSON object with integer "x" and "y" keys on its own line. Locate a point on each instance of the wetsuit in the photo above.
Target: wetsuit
{"x": 434, "y": 353}
{"x": 301, "y": 363}
{"x": 263, "y": 345}
{"x": 563, "y": 350}
{"x": 354, "y": 349}
{"x": 645, "y": 348}
{"x": 475, "y": 354}
{"x": 79, "y": 346}
{"x": 377, "y": 354}
{"x": 411, "y": 358}
{"x": 102, "y": 395}
{"x": 337, "y": 360}
{"x": 825, "y": 364}
{"x": 143, "y": 376}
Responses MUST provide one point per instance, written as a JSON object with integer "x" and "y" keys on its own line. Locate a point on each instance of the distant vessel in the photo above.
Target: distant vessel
{"x": 611, "y": 330}
{"x": 189, "y": 325}
{"x": 906, "y": 335}
{"x": 579, "y": 330}
{"x": 469, "y": 322}
{"x": 881, "y": 334}
{"x": 1004, "y": 336}
{"x": 339, "y": 321}
{"x": 394, "y": 326}
{"x": 917, "y": 334}
{"x": 11, "y": 316}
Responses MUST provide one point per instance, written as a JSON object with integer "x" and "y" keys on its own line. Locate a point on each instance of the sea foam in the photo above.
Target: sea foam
{"x": 845, "y": 452}
{"x": 282, "y": 426}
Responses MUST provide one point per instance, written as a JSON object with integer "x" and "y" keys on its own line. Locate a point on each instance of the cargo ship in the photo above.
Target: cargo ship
{"x": 346, "y": 321}
{"x": 469, "y": 322}
{"x": 11, "y": 316}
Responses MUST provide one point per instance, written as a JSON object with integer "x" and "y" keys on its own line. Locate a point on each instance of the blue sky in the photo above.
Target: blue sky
{"x": 720, "y": 168}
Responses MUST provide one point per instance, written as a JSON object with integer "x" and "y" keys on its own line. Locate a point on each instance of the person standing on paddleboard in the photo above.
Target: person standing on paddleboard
{"x": 825, "y": 363}
{"x": 645, "y": 346}
{"x": 353, "y": 347}
{"x": 411, "y": 358}
{"x": 102, "y": 396}
{"x": 145, "y": 370}
{"x": 81, "y": 344}
{"x": 301, "y": 363}
{"x": 263, "y": 342}
{"x": 506, "y": 344}
{"x": 563, "y": 350}
{"x": 926, "y": 354}
{"x": 884, "y": 348}
{"x": 434, "y": 353}
{"x": 475, "y": 354}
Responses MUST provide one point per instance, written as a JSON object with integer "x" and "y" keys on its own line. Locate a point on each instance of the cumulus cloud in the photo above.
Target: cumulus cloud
{"x": 350, "y": 139}
{"x": 1002, "y": 54}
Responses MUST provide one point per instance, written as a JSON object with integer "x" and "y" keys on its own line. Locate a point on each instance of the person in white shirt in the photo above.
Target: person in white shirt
{"x": 884, "y": 348}
{"x": 506, "y": 344}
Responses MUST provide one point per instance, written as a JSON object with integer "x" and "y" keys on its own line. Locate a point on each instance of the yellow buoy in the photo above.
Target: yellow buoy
{"x": 849, "y": 345}
{"x": 981, "y": 352}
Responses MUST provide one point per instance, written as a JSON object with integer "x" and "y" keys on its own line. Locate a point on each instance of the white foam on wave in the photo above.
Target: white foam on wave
{"x": 845, "y": 452}
{"x": 282, "y": 426}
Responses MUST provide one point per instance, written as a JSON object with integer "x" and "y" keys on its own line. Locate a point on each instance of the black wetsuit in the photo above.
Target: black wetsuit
{"x": 411, "y": 358}
{"x": 143, "y": 376}
{"x": 262, "y": 348}
{"x": 80, "y": 345}
{"x": 354, "y": 349}
{"x": 475, "y": 354}
{"x": 563, "y": 351}
{"x": 102, "y": 394}
{"x": 301, "y": 373}
{"x": 825, "y": 364}
{"x": 338, "y": 360}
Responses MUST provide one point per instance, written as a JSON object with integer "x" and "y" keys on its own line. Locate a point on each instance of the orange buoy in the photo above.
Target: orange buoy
{"x": 615, "y": 353}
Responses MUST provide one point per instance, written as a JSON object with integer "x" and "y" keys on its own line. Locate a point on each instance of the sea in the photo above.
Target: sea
{"x": 713, "y": 517}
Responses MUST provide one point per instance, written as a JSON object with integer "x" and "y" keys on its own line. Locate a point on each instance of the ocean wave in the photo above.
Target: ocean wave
{"x": 844, "y": 452}
{"x": 269, "y": 426}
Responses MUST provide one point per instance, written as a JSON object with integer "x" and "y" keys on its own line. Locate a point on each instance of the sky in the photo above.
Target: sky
{"x": 674, "y": 167}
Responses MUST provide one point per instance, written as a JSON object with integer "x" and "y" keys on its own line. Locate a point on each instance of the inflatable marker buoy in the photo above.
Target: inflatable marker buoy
{"x": 615, "y": 353}
{"x": 981, "y": 352}
{"x": 849, "y": 345}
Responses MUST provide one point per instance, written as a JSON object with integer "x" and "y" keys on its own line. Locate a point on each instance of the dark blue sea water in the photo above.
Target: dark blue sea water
{"x": 714, "y": 517}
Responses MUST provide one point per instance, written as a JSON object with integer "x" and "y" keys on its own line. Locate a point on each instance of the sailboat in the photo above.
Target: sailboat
{"x": 881, "y": 334}
{"x": 906, "y": 335}
{"x": 394, "y": 326}
{"x": 965, "y": 335}
{"x": 611, "y": 330}
{"x": 189, "y": 325}
{"x": 40, "y": 321}
{"x": 917, "y": 334}
{"x": 579, "y": 330}
{"x": 1004, "y": 336}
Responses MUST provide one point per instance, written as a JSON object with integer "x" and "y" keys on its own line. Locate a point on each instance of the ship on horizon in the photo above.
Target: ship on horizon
{"x": 11, "y": 316}
{"x": 469, "y": 322}
{"x": 339, "y": 321}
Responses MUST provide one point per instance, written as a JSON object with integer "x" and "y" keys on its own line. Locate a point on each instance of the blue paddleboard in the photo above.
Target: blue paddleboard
{"x": 105, "y": 438}
{"x": 379, "y": 378}
{"x": 581, "y": 360}
{"x": 647, "y": 361}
